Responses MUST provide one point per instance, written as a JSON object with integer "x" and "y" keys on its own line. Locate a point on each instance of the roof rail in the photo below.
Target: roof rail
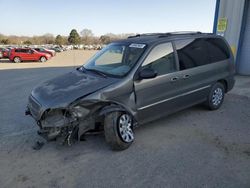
{"x": 133, "y": 36}
{"x": 180, "y": 33}
{"x": 145, "y": 34}
{"x": 168, "y": 34}
{"x": 184, "y": 32}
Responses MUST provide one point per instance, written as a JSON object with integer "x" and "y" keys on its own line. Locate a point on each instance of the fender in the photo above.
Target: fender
{"x": 112, "y": 108}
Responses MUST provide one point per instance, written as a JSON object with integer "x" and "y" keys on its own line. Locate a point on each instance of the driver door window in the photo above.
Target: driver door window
{"x": 154, "y": 94}
{"x": 161, "y": 59}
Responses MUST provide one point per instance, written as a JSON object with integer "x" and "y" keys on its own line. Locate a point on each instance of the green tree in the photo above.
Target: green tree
{"x": 5, "y": 41}
{"x": 59, "y": 40}
{"x": 74, "y": 37}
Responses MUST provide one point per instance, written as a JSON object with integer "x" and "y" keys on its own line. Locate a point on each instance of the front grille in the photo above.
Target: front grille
{"x": 34, "y": 107}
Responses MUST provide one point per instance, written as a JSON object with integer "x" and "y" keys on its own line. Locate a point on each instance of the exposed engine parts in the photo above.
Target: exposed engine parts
{"x": 67, "y": 125}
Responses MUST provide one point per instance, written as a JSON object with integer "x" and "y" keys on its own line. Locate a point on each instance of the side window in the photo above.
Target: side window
{"x": 218, "y": 50}
{"x": 161, "y": 59}
{"x": 192, "y": 53}
{"x": 23, "y": 50}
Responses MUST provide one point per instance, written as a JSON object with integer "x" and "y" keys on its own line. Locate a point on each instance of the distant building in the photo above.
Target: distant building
{"x": 232, "y": 20}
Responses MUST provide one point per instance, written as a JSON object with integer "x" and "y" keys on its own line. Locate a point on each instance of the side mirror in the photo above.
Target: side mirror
{"x": 147, "y": 73}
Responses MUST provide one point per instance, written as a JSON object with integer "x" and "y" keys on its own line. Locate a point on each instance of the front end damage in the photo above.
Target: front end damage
{"x": 67, "y": 125}
{"x": 57, "y": 124}
{"x": 67, "y": 107}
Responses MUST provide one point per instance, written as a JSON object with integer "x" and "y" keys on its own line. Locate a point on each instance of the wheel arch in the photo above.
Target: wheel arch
{"x": 43, "y": 56}
{"x": 113, "y": 107}
{"x": 225, "y": 84}
{"x": 18, "y": 57}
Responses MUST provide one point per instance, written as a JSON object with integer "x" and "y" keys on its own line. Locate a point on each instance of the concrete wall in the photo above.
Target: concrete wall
{"x": 233, "y": 11}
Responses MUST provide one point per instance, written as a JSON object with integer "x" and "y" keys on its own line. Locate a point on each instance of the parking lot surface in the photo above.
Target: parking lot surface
{"x": 191, "y": 148}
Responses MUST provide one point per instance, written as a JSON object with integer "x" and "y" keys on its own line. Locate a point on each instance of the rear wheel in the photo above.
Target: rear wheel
{"x": 216, "y": 96}
{"x": 17, "y": 59}
{"x": 43, "y": 59}
{"x": 118, "y": 130}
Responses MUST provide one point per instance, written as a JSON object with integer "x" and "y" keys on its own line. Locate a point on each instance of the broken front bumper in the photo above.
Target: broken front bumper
{"x": 65, "y": 125}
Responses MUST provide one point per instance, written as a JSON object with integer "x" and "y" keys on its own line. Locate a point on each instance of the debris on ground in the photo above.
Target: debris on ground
{"x": 38, "y": 145}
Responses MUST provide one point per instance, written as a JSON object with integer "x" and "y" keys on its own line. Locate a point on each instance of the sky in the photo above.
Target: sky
{"x": 37, "y": 17}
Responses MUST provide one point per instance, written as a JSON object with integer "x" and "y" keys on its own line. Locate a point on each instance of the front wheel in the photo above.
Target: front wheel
{"x": 118, "y": 130}
{"x": 43, "y": 59}
{"x": 216, "y": 96}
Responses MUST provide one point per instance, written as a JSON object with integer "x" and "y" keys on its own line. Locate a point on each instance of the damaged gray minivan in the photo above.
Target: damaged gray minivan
{"x": 131, "y": 82}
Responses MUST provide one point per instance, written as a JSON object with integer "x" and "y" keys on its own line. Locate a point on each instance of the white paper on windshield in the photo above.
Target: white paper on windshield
{"x": 133, "y": 45}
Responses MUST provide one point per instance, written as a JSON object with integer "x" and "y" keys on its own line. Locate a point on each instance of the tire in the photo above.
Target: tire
{"x": 216, "y": 96}
{"x": 17, "y": 59}
{"x": 43, "y": 59}
{"x": 118, "y": 135}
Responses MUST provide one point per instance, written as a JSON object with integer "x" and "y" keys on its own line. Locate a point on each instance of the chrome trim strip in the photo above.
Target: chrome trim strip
{"x": 171, "y": 98}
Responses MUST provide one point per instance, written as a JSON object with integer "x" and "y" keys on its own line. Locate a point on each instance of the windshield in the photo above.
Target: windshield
{"x": 116, "y": 59}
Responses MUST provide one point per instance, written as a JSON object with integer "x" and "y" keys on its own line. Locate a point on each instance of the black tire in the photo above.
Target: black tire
{"x": 216, "y": 96}
{"x": 43, "y": 59}
{"x": 112, "y": 133}
{"x": 17, "y": 60}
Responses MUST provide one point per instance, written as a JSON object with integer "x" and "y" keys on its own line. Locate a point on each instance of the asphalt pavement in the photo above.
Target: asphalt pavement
{"x": 191, "y": 148}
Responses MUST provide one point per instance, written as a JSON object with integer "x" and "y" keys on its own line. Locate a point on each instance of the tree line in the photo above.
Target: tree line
{"x": 86, "y": 37}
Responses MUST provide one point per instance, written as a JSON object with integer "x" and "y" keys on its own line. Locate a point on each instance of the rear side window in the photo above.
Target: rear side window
{"x": 200, "y": 51}
{"x": 161, "y": 59}
{"x": 192, "y": 53}
{"x": 218, "y": 50}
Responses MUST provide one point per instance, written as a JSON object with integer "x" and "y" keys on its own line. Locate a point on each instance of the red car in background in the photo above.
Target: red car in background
{"x": 45, "y": 50}
{"x": 27, "y": 54}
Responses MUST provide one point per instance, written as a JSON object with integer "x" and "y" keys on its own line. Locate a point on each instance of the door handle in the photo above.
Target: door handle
{"x": 186, "y": 76}
{"x": 174, "y": 79}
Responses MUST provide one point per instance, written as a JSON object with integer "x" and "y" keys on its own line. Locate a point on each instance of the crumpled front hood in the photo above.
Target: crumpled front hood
{"x": 63, "y": 90}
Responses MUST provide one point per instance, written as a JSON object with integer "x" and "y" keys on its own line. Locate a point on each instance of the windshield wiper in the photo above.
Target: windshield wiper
{"x": 80, "y": 69}
{"x": 96, "y": 71}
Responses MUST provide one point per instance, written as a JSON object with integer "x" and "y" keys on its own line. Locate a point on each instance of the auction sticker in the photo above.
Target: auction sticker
{"x": 133, "y": 45}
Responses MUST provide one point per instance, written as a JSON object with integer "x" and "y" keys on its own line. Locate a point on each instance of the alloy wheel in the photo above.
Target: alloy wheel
{"x": 217, "y": 96}
{"x": 125, "y": 128}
